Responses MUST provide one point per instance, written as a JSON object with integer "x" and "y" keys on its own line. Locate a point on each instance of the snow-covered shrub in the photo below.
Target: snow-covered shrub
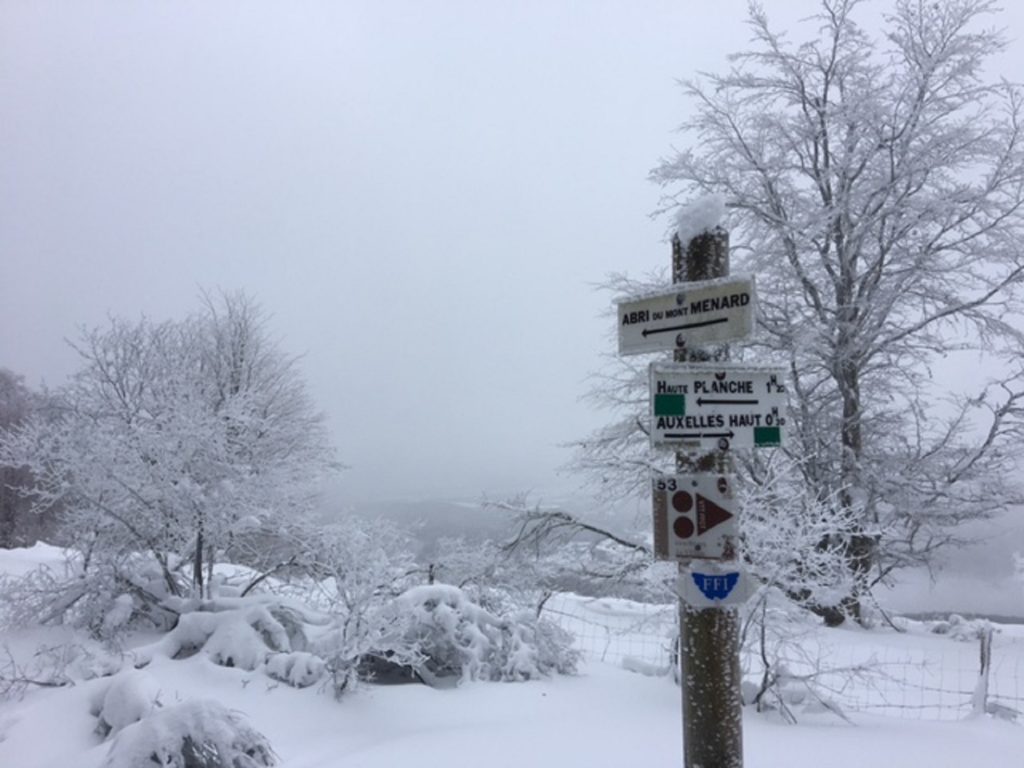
{"x": 122, "y": 608}
{"x": 367, "y": 644}
{"x": 235, "y": 642}
{"x": 247, "y": 633}
{"x": 298, "y": 669}
{"x": 436, "y": 634}
{"x": 956, "y": 627}
{"x": 357, "y": 566}
{"x": 241, "y": 636}
{"x": 556, "y": 647}
{"x": 535, "y": 648}
{"x": 294, "y": 619}
{"x": 105, "y": 595}
{"x": 454, "y": 635}
{"x": 193, "y": 734}
{"x": 459, "y": 639}
{"x": 61, "y": 660}
{"x": 130, "y": 696}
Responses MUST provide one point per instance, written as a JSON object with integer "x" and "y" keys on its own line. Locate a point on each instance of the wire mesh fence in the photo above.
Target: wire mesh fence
{"x": 914, "y": 675}
{"x": 617, "y": 631}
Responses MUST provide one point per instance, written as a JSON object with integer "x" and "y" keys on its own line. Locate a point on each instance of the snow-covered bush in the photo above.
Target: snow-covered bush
{"x": 367, "y": 624}
{"x": 58, "y": 659}
{"x": 102, "y": 593}
{"x": 956, "y": 627}
{"x": 130, "y": 696}
{"x": 535, "y": 647}
{"x": 436, "y": 634}
{"x": 356, "y": 566}
{"x": 459, "y": 639}
{"x": 193, "y": 734}
{"x": 234, "y": 632}
{"x": 367, "y": 645}
{"x": 298, "y": 669}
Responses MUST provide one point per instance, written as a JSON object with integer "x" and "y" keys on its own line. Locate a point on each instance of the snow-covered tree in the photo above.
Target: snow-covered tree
{"x": 875, "y": 188}
{"x": 176, "y": 438}
{"x": 15, "y": 407}
{"x": 18, "y": 526}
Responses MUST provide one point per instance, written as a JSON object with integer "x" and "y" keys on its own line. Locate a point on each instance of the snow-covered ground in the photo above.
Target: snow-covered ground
{"x": 605, "y": 716}
{"x": 928, "y": 671}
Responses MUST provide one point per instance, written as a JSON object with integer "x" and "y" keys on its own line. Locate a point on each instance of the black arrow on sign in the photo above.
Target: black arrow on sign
{"x": 709, "y": 401}
{"x": 650, "y": 332}
{"x": 697, "y": 435}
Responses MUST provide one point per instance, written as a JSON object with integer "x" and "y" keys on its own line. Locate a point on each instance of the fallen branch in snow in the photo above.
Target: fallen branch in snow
{"x": 14, "y": 678}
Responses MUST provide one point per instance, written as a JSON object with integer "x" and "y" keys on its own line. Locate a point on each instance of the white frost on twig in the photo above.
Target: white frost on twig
{"x": 700, "y": 216}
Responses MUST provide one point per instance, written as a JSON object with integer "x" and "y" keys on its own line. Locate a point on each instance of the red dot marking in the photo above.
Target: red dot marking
{"x": 682, "y": 501}
{"x": 683, "y": 527}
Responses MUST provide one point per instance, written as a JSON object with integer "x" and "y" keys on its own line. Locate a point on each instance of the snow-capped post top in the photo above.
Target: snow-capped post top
{"x": 700, "y": 216}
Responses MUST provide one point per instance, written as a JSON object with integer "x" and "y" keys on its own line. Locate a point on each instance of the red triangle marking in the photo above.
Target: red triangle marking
{"x": 709, "y": 514}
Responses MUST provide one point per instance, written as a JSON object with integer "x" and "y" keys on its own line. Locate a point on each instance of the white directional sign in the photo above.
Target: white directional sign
{"x": 702, "y": 312}
{"x": 694, "y": 517}
{"x": 708, "y": 406}
{"x": 710, "y": 586}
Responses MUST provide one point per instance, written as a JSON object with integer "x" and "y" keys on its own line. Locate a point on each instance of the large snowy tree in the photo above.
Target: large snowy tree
{"x": 177, "y": 439}
{"x": 875, "y": 187}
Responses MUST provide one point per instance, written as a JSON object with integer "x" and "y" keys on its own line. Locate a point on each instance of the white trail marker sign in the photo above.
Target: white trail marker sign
{"x": 716, "y": 406}
{"x": 703, "y": 312}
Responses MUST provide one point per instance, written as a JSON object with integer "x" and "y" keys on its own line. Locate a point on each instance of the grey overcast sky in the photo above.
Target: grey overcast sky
{"x": 421, "y": 194}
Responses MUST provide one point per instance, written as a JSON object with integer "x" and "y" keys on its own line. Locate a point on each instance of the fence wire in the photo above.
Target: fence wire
{"x": 902, "y": 675}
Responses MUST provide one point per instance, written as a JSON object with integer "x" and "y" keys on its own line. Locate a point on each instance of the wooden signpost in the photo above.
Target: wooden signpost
{"x": 703, "y": 408}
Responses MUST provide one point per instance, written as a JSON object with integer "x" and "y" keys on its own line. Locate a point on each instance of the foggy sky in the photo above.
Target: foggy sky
{"x": 421, "y": 194}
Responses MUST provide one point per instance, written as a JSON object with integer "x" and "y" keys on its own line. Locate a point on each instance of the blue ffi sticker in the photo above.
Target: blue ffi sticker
{"x": 716, "y": 586}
